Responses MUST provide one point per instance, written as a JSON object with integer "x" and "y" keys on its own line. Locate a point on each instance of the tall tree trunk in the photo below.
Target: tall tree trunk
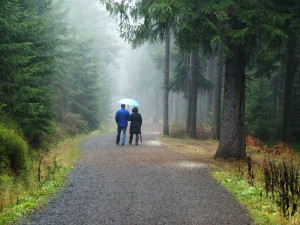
{"x": 274, "y": 84}
{"x": 205, "y": 113}
{"x": 208, "y": 93}
{"x": 217, "y": 97}
{"x": 156, "y": 107}
{"x": 59, "y": 109}
{"x": 193, "y": 93}
{"x": 166, "y": 83}
{"x": 188, "y": 91}
{"x": 176, "y": 107}
{"x": 232, "y": 141}
{"x": 201, "y": 106}
{"x": 171, "y": 103}
{"x": 204, "y": 95}
{"x": 288, "y": 89}
{"x": 199, "y": 109}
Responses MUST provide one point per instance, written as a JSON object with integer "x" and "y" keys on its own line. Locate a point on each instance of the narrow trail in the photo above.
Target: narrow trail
{"x": 144, "y": 184}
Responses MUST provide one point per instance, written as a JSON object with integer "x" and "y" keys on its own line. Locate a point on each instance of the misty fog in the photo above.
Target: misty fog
{"x": 133, "y": 73}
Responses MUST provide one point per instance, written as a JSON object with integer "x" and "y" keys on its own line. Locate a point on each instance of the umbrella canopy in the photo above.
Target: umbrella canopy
{"x": 129, "y": 101}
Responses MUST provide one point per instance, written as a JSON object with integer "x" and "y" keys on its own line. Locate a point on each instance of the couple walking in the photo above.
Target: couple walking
{"x": 122, "y": 117}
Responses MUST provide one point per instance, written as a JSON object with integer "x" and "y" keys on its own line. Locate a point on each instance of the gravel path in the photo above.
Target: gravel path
{"x": 144, "y": 184}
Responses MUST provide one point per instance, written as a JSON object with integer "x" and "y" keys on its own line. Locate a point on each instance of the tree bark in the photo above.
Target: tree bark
{"x": 188, "y": 91}
{"x": 170, "y": 106}
{"x": 193, "y": 93}
{"x": 166, "y": 82}
{"x": 208, "y": 93}
{"x": 156, "y": 107}
{"x": 288, "y": 90}
{"x": 176, "y": 108}
{"x": 275, "y": 88}
{"x": 232, "y": 140}
{"x": 217, "y": 97}
{"x": 59, "y": 109}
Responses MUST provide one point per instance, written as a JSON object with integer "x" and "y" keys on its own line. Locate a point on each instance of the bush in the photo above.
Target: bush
{"x": 13, "y": 150}
{"x": 72, "y": 125}
{"x": 177, "y": 130}
{"x": 203, "y": 133}
{"x": 282, "y": 180}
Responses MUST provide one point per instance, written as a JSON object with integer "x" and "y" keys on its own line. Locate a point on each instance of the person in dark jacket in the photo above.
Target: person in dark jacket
{"x": 121, "y": 117}
{"x": 135, "y": 125}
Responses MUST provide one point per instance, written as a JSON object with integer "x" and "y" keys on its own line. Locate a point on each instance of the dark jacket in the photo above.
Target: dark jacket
{"x": 122, "y": 115}
{"x": 136, "y": 122}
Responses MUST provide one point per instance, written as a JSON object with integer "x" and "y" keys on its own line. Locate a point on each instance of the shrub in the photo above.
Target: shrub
{"x": 13, "y": 150}
{"x": 72, "y": 125}
{"x": 279, "y": 148}
{"x": 203, "y": 132}
{"x": 177, "y": 130}
{"x": 282, "y": 180}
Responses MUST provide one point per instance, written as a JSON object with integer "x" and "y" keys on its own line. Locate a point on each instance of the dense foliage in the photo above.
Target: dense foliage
{"x": 53, "y": 79}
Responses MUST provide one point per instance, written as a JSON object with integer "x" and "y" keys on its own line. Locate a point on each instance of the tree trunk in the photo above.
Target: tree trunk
{"x": 288, "y": 90}
{"x": 176, "y": 108}
{"x": 274, "y": 83}
{"x": 166, "y": 83}
{"x": 199, "y": 109}
{"x": 208, "y": 93}
{"x": 59, "y": 109}
{"x": 217, "y": 97}
{"x": 232, "y": 141}
{"x": 156, "y": 107}
{"x": 171, "y": 103}
{"x": 188, "y": 91}
{"x": 193, "y": 93}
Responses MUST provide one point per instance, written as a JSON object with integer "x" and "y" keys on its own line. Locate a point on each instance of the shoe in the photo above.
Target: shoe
{"x": 136, "y": 144}
{"x": 117, "y": 143}
{"x": 130, "y": 143}
{"x": 122, "y": 143}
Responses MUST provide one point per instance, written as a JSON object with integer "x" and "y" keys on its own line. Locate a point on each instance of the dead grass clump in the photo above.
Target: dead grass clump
{"x": 177, "y": 130}
{"x": 203, "y": 132}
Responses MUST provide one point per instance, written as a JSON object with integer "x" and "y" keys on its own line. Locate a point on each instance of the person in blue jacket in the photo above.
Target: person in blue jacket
{"x": 122, "y": 116}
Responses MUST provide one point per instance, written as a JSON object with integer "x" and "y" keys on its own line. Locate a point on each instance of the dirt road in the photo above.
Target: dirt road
{"x": 144, "y": 184}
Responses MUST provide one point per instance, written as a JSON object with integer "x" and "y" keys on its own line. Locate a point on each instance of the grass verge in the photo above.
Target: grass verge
{"x": 24, "y": 193}
{"x": 233, "y": 175}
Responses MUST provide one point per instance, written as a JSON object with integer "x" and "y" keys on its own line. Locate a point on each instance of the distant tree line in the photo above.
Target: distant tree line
{"x": 246, "y": 50}
{"x": 53, "y": 80}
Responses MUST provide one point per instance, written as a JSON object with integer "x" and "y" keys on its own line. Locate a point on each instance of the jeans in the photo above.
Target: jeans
{"x": 123, "y": 135}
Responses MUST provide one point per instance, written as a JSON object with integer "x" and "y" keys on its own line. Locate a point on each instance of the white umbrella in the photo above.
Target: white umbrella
{"x": 129, "y": 101}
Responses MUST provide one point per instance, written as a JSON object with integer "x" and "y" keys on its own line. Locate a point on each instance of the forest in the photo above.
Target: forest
{"x": 220, "y": 69}
{"x": 233, "y": 63}
{"x": 53, "y": 74}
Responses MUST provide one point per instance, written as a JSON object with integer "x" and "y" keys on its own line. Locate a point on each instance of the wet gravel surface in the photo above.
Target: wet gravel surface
{"x": 144, "y": 184}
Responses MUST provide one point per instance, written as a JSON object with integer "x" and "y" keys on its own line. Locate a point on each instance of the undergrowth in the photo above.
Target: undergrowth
{"x": 178, "y": 130}
{"x": 22, "y": 193}
{"x": 267, "y": 183}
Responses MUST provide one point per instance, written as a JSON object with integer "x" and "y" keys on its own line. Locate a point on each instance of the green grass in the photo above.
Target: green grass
{"x": 36, "y": 198}
{"x": 22, "y": 194}
{"x": 262, "y": 210}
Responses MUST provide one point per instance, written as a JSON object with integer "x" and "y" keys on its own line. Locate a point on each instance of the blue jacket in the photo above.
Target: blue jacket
{"x": 122, "y": 116}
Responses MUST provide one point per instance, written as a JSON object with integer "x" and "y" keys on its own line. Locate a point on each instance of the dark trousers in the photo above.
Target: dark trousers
{"x": 136, "y": 138}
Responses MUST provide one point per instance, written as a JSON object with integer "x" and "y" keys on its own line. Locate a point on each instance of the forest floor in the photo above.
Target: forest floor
{"x": 144, "y": 184}
{"x": 234, "y": 175}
